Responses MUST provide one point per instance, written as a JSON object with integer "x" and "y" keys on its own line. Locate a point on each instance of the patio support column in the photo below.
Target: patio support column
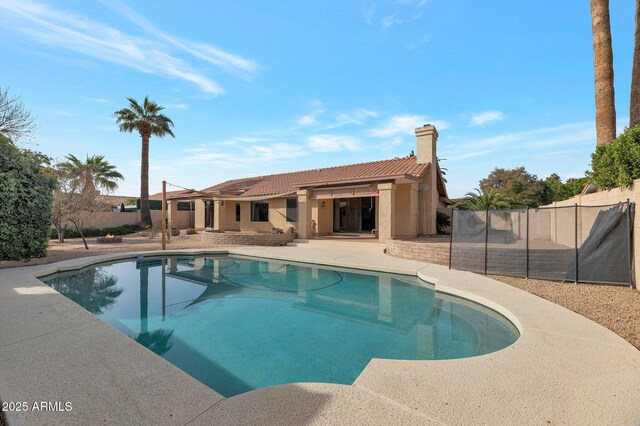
{"x": 199, "y": 214}
{"x": 387, "y": 211}
{"x": 304, "y": 214}
{"x": 219, "y": 217}
{"x": 172, "y": 214}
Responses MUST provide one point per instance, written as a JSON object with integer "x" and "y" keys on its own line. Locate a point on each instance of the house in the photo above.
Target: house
{"x": 388, "y": 198}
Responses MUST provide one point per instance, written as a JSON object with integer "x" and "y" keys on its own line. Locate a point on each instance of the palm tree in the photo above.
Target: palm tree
{"x": 95, "y": 290}
{"x": 492, "y": 199}
{"x": 603, "y": 70}
{"x": 147, "y": 120}
{"x": 634, "y": 110}
{"x": 94, "y": 174}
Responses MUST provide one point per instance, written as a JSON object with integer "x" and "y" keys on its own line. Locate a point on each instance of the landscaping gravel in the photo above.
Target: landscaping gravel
{"x": 614, "y": 307}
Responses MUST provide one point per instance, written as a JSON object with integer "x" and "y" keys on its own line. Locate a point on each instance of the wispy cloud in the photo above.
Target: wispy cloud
{"x": 468, "y": 155}
{"x": 96, "y": 100}
{"x": 390, "y": 20}
{"x": 150, "y": 54}
{"x": 179, "y": 105}
{"x": 252, "y": 155}
{"x": 312, "y": 119}
{"x": 357, "y": 117}
{"x": 405, "y": 124}
{"x": 334, "y": 143}
{"x": 482, "y": 118}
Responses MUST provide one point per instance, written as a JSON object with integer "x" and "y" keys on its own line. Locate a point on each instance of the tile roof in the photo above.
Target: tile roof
{"x": 287, "y": 183}
{"x": 114, "y": 200}
{"x": 170, "y": 194}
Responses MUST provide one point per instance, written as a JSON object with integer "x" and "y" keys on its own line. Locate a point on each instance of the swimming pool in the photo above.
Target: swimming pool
{"x": 238, "y": 324}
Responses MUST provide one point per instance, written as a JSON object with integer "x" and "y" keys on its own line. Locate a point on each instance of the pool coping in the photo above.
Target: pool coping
{"x": 564, "y": 368}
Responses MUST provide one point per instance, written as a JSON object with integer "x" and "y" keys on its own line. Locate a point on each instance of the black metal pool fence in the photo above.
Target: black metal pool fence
{"x": 588, "y": 244}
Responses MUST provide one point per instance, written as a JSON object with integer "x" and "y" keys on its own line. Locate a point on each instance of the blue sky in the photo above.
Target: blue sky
{"x": 259, "y": 87}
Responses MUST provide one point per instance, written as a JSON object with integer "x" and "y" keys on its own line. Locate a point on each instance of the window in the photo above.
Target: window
{"x": 260, "y": 211}
{"x": 237, "y": 212}
{"x": 292, "y": 209}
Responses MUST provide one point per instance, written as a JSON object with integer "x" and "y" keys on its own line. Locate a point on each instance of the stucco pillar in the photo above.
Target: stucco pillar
{"x": 172, "y": 214}
{"x": 219, "y": 216}
{"x": 304, "y": 214}
{"x": 387, "y": 211}
{"x": 413, "y": 214}
{"x": 199, "y": 214}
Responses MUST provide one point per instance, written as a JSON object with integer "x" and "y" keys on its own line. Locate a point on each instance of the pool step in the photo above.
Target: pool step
{"x": 358, "y": 246}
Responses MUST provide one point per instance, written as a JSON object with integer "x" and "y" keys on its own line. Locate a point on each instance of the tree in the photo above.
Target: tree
{"x": 603, "y": 72}
{"x": 95, "y": 173}
{"x": 94, "y": 289}
{"x": 618, "y": 163}
{"x": 634, "y": 105}
{"x": 79, "y": 184}
{"x": 491, "y": 199}
{"x": 523, "y": 188}
{"x": 147, "y": 120}
{"x": 16, "y": 121}
{"x": 559, "y": 191}
{"x": 25, "y": 202}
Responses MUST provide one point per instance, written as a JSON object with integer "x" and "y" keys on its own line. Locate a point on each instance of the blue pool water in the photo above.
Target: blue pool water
{"x": 238, "y": 324}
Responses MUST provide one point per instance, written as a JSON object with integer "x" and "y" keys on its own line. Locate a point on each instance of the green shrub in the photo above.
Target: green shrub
{"x": 617, "y": 163}
{"x": 119, "y": 230}
{"x": 191, "y": 231}
{"x": 26, "y": 194}
{"x": 443, "y": 221}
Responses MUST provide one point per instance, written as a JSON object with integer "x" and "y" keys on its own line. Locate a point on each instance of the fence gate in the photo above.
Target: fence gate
{"x": 590, "y": 244}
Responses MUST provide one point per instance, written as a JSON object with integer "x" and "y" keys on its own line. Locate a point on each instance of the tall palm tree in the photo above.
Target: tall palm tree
{"x": 147, "y": 120}
{"x": 94, "y": 174}
{"x": 492, "y": 199}
{"x": 634, "y": 110}
{"x": 603, "y": 70}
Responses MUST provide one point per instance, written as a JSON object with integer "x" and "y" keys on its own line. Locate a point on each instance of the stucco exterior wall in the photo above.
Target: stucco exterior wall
{"x": 406, "y": 215}
{"x": 323, "y": 216}
{"x": 115, "y": 219}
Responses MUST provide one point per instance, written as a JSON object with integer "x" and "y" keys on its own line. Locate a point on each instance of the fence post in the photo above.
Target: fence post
{"x": 486, "y": 239}
{"x": 527, "y": 247}
{"x": 631, "y": 262}
{"x": 576, "y": 239}
{"x": 453, "y": 215}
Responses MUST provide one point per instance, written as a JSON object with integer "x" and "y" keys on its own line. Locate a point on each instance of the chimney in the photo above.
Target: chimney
{"x": 427, "y": 137}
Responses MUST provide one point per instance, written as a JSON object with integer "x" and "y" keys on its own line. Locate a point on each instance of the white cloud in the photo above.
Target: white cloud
{"x": 308, "y": 120}
{"x": 389, "y": 21}
{"x": 468, "y": 155}
{"x": 151, "y": 54}
{"x": 228, "y": 62}
{"x": 178, "y": 106}
{"x": 357, "y": 117}
{"x": 253, "y": 155}
{"x": 405, "y": 124}
{"x": 334, "y": 143}
{"x": 311, "y": 119}
{"x": 482, "y": 118}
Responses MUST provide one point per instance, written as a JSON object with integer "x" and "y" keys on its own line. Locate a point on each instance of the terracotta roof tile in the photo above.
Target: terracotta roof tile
{"x": 291, "y": 182}
{"x": 114, "y": 200}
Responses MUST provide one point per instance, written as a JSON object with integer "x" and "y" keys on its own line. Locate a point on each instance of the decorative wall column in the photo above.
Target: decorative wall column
{"x": 304, "y": 214}
{"x": 199, "y": 207}
{"x": 387, "y": 211}
{"x": 219, "y": 215}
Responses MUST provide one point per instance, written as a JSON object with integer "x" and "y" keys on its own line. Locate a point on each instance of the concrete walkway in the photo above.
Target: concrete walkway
{"x": 564, "y": 368}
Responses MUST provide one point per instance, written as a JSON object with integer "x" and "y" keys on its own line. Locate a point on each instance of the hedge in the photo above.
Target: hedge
{"x": 26, "y": 195}
{"x": 91, "y": 232}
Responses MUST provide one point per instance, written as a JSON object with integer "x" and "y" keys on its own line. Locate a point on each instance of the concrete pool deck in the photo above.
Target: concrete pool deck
{"x": 564, "y": 368}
